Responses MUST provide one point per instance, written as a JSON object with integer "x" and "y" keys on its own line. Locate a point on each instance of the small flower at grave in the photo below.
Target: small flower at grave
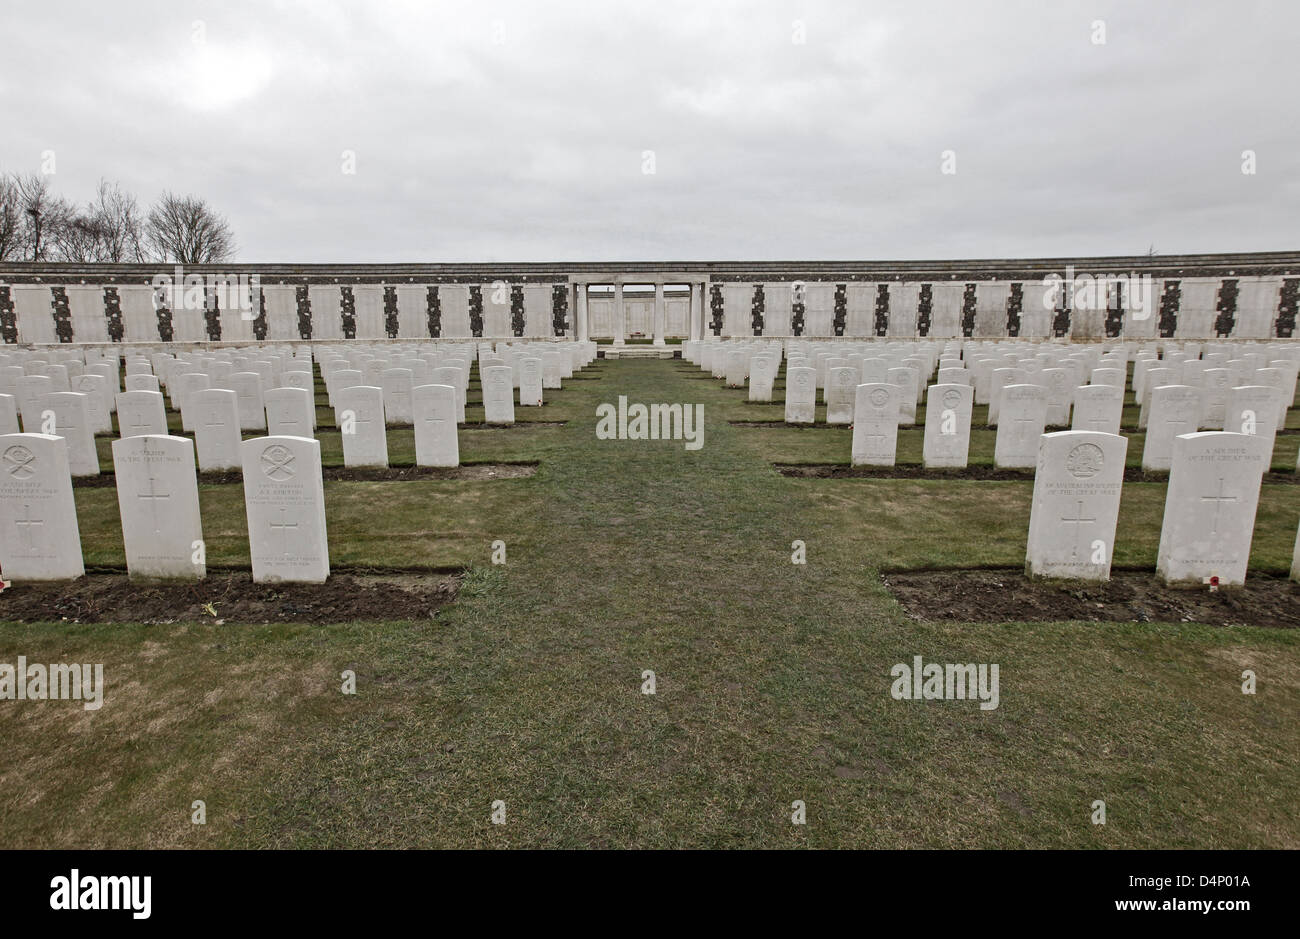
{"x": 4, "y": 585}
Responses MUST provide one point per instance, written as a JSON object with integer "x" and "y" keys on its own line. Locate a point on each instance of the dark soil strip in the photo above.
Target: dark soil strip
{"x": 821, "y": 425}
{"x": 1008, "y": 596}
{"x": 476, "y": 471}
{"x": 234, "y": 598}
{"x": 483, "y": 425}
{"x": 1132, "y": 474}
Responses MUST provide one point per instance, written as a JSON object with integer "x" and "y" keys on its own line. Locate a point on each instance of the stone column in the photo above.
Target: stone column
{"x": 659, "y": 314}
{"x": 620, "y": 315}
{"x": 696, "y": 330}
{"x": 580, "y": 312}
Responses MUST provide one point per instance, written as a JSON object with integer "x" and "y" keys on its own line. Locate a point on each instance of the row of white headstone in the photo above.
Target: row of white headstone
{"x": 158, "y": 500}
{"x": 217, "y": 404}
{"x": 1209, "y": 516}
{"x": 1023, "y": 400}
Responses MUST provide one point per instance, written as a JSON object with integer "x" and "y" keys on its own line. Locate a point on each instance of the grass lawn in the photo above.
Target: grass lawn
{"x": 772, "y": 679}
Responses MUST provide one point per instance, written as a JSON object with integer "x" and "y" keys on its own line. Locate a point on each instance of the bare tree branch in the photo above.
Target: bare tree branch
{"x": 185, "y": 230}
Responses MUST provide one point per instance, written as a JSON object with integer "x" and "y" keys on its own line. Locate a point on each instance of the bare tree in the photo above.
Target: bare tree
{"x": 118, "y": 222}
{"x": 42, "y": 216}
{"x": 10, "y": 219}
{"x": 185, "y": 230}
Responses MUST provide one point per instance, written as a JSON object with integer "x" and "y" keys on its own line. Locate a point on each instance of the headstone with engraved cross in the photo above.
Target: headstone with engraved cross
{"x": 39, "y": 538}
{"x": 248, "y": 389}
{"x": 66, "y": 414}
{"x": 216, "y": 429}
{"x": 397, "y": 384}
{"x": 359, "y": 414}
{"x": 1020, "y": 424}
{"x": 841, "y": 392}
{"x": 1098, "y": 408}
{"x": 531, "y": 386}
{"x": 875, "y": 423}
{"x": 947, "y": 425}
{"x": 1210, "y": 504}
{"x": 158, "y": 499}
{"x": 285, "y": 503}
{"x": 498, "y": 395}
{"x": 434, "y": 412}
{"x": 288, "y": 412}
{"x": 1075, "y": 505}
{"x": 141, "y": 412}
{"x": 1174, "y": 410}
{"x": 454, "y": 375}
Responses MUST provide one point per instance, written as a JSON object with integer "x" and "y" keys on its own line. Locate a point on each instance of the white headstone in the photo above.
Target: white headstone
{"x": 530, "y": 382}
{"x": 248, "y": 389}
{"x": 285, "y": 502}
{"x": 1210, "y": 508}
{"x": 498, "y": 395}
{"x": 1020, "y": 424}
{"x": 875, "y": 423}
{"x": 158, "y": 499}
{"x": 436, "y": 443}
{"x": 359, "y": 414}
{"x": 216, "y": 429}
{"x": 288, "y": 412}
{"x": 8, "y": 414}
{"x": 1253, "y": 409}
{"x": 1075, "y": 505}
{"x": 397, "y": 384}
{"x": 141, "y": 412}
{"x": 1174, "y": 410}
{"x": 841, "y": 390}
{"x": 1098, "y": 408}
{"x": 453, "y": 375}
{"x": 98, "y": 408}
{"x": 39, "y": 539}
{"x": 947, "y": 425}
{"x": 800, "y": 395}
{"x": 906, "y": 378}
{"x": 66, "y": 415}
{"x": 142, "y": 383}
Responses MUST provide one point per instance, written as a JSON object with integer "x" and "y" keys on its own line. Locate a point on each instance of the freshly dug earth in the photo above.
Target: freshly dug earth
{"x": 234, "y": 598}
{"x": 1005, "y": 596}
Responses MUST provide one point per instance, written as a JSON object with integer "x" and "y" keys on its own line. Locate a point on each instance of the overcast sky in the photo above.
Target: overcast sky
{"x": 488, "y": 131}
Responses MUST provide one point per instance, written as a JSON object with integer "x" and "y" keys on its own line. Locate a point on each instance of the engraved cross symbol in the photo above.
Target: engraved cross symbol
{"x": 1078, "y": 522}
{"x": 283, "y": 528}
{"x": 153, "y": 495}
{"x": 138, "y": 419}
{"x": 1218, "y": 505}
{"x": 212, "y": 420}
{"x": 25, "y": 525}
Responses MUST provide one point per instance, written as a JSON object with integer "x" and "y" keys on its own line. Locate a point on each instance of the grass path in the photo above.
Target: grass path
{"x": 772, "y": 686}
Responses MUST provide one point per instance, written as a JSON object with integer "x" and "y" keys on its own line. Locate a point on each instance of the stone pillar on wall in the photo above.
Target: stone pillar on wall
{"x": 659, "y": 314}
{"x": 620, "y": 315}
{"x": 580, "y": 314}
